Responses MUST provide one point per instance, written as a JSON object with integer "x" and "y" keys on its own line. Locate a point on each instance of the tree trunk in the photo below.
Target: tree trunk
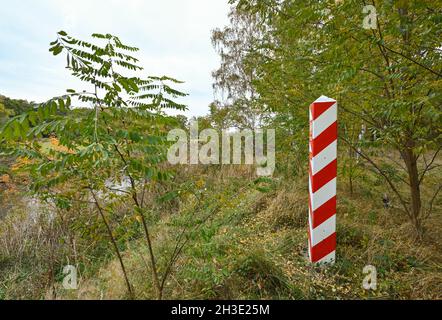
{"x": 410, "y": 160}
{"x": 114, "y": 243}
{"x": 156, "y": 279}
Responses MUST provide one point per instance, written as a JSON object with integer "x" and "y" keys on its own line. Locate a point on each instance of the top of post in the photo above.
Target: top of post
{"x": 324, "y": 99}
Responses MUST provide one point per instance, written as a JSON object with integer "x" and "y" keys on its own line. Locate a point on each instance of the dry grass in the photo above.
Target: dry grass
{"x": 265, "y": 252}
{"x": 254, "y": 246}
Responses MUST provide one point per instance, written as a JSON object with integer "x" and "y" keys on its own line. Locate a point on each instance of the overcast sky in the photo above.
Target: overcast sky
{"x": 173, "y": 37}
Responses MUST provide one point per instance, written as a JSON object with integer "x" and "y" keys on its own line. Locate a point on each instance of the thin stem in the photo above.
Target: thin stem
{"x": 117, "y": 251}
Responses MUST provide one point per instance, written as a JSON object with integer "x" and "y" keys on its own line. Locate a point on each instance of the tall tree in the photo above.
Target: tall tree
{"x": 233, "y": 80}
{"x": 120, "y": 137}
{"x": 386, "y": 76}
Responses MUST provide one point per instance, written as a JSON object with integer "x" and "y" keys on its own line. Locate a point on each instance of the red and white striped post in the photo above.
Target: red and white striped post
{"x": 322, "y": 180}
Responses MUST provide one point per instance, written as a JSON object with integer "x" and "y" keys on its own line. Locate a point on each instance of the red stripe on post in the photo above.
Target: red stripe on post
{"x": 324, "y": 212}
{"x": 319, "y": 108}
{"x": 325, "y": 175}
{"x": 325, "y": 138}
{"x": 323, "y": 248}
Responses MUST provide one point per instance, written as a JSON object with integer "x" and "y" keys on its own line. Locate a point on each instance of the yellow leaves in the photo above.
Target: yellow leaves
{"x": 19, "y": 163}
{"x": 54, "y": 141}
{"x": 138, "y": 218}
{"x": 4, "y": 178}
{"x": 7, "y": 187}
{"x": 200, "y": 183}
{"x": 55, "y": 145}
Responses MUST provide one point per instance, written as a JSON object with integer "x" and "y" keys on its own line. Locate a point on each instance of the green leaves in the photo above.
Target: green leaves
{"x": 35, "y": 122}
{"x": 129, "y": 84}
{"x": 57, "y": 49}
{"x": 120, "y": 135}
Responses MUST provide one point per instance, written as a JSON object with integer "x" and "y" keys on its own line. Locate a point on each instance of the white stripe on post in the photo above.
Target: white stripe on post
{"x": 324, "y": 158}
{"x": 324, "y": 121}
{"x": 322, "y": 180}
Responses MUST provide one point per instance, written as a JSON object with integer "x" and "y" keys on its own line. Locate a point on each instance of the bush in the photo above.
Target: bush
{"x": 266, "y": 277}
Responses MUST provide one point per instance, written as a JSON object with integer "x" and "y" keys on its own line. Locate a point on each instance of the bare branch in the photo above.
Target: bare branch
{"x": 383, "y": 174}
{"x": 428, "y": 165}
{"x": 430, "y": 207}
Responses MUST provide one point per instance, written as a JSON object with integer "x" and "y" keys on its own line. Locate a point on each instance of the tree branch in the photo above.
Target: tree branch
{"x": 383, "y": 174}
